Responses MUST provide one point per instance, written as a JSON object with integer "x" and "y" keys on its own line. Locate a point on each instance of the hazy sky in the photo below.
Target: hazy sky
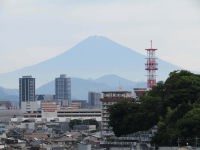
{"x": 34, "y": 30}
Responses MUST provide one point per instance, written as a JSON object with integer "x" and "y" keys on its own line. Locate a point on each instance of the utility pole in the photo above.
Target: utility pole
{"x": 178, "y": 142}
{"x": 196, "y": 142}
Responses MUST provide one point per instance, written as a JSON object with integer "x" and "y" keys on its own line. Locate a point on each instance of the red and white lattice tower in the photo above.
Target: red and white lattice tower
{"x": 151, "y": 67}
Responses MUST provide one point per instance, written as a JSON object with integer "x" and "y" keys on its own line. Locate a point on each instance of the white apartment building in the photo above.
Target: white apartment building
{"x": 110, "y": 98}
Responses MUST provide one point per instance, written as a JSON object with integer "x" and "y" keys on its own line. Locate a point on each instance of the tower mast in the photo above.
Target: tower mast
{"x": 151, "y": 67}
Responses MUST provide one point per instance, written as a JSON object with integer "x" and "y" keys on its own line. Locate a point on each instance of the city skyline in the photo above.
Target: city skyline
{"x": 33, "y": 31}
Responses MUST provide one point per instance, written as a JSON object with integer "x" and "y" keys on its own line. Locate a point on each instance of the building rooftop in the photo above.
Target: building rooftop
{"x": 116, "y": 92}
{"x": 116, "y": 99}
{"x": 29, "y": 76}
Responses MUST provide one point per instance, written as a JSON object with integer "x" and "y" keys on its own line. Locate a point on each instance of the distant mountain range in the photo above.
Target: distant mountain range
{"x": 91, "y": 58}
{"x": 80, "y": 87}
{"x": 98, "y": 62}
{"x": 9, "y": 94}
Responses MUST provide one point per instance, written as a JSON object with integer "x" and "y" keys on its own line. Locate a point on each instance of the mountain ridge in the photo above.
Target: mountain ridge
{"x": 80, "y": 87}
{"x": 90, "y": 58}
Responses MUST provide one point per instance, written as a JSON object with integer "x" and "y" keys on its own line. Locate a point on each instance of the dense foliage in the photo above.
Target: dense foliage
{"x": 173, "y": 105}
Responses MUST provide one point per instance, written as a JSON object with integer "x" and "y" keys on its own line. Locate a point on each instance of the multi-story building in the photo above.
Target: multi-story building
{"x": 94, "y": 100}
{"x": 6, "y": 104}
{"x": 26, "y": 89}
{"x": 63, "y": 89}
{"x": 80, "y": 114}
{"x": 82, "y": 103}
{"x": 139, "y": 93}
{"x": 110, "y": 98}
{"x": 49, "y": 109}
{"x": 27, "y": 101}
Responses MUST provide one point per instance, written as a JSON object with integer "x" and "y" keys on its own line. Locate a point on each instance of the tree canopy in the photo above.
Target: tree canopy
{"x": 173, "y": 105}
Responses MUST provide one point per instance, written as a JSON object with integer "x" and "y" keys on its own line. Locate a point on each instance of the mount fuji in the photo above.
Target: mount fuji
{"x": 92, "y": 58}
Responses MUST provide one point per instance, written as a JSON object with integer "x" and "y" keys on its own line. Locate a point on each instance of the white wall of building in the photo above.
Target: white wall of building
{"x": 30, "y": 106}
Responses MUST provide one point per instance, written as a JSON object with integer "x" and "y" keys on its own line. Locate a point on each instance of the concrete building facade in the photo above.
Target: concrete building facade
{"x": 110, "y": 98}
{"x": 94, "y": 100}
{"x": 51, "y": 111}
{"x": 27, "y": 101}
{"x": 63, "y": 89}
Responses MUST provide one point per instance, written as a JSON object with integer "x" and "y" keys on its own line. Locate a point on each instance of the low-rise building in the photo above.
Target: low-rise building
{"x": 5, "y": 105}
{"x": 80, "y": 114}
{"x": 49, "y": 109}
{"x": 51, "y": 112}
{"x": 140, "y": 92}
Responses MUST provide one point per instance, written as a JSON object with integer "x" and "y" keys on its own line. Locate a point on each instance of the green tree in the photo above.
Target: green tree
{"x": 121, "y": 117}
{"x": 173, "y": 105}
{"x": 90, "y": 122}
{"x": 190, "y": 123}
{"x": 182, "y": 86}
{"x": 129, "y": 117}
{"x": 74, "y": 122}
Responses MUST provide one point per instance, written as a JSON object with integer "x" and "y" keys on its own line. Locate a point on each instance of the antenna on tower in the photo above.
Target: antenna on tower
{"x": 151, "y": 67}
